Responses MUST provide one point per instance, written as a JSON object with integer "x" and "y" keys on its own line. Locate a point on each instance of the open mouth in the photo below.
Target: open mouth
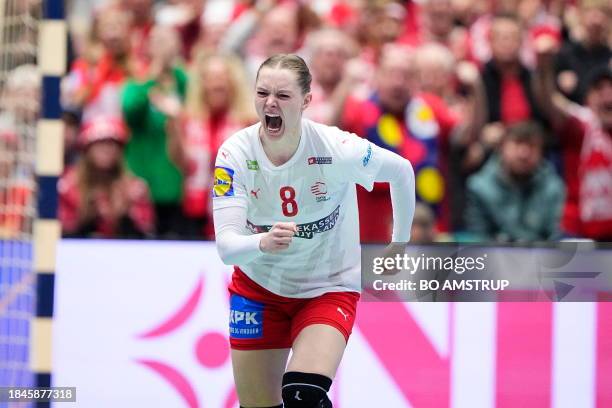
{"x": 273, "y": 123}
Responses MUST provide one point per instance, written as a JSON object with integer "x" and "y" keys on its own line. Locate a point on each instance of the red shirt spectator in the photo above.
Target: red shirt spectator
{"x": 98, "y": 197}
{"x": 587, "y": 153}
{"x": 94, "y": 82}
{"x": 15, "y": 192}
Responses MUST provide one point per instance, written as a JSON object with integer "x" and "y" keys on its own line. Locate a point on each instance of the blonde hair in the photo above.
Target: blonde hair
{"x": 294, "y": 63}
{"x": 93, "y": 47}
{"x": 240, "y": 108}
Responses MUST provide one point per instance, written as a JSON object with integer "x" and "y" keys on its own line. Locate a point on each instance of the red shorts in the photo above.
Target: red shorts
{"x": 260, "y": 319}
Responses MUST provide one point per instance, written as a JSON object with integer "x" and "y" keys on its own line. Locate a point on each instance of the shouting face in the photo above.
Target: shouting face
{"x": 279, "y": 101}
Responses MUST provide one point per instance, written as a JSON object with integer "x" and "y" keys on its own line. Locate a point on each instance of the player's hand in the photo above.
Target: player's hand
{"x": 467, "y": 73}
{"x": 546, "y": 47}
{"x": 168, "y": 104}
{"x": 279, "y": 237}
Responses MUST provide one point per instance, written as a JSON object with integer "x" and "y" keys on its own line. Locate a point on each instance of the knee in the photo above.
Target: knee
{"x": 306, "y": 390}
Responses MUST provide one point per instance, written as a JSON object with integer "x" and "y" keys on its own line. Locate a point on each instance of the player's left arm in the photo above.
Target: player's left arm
{"x": 398, "y": 172}
{"x": 364, "y": 163}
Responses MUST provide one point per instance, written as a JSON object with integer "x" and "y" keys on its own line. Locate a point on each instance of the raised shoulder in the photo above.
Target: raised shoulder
{"x": 332, "y": 138}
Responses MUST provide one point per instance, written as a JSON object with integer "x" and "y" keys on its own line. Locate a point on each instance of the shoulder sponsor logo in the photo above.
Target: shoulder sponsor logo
{"x": 319, "y": 160}
{"x": 252, "y": 164}
{"x": 368, "y": 156}
{"x": 223, "y": 182}
{"x": 307, "y": 230}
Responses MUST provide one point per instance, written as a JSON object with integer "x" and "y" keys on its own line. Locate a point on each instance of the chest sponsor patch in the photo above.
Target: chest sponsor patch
{"x": 223, "y": 182}
{"x": 307, "y": 230}
{"x": 319, "y": 160}
{"x": 252, "y": 165}
{"x": 246, "y": 318}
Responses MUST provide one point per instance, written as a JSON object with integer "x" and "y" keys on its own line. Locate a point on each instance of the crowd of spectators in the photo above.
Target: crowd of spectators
{"x": 504, "y": 109}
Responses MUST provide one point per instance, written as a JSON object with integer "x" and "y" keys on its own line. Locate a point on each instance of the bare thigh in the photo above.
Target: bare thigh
{"x": 317, "y": 349}
{"x": 258, "y": 375}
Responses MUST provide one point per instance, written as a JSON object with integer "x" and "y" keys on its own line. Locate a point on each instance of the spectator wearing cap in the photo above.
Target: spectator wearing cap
{"x": 585, "y": 135}
{"x": 152, "y": 153}
{"x": 98, "y": 196}
{"x": 516, "y": 196}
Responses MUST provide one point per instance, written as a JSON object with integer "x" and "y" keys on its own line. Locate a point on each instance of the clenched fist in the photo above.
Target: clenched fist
{"x": 279, "y": 237}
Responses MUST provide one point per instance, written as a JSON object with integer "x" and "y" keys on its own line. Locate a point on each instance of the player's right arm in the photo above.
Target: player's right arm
{"x": 236, "y": 247}
{"x": 235, "y": 244}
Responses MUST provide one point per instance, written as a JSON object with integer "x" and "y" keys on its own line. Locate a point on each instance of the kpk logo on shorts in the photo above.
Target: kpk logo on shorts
{"x": 223, "y": 182}
{"x": 246, "y": 318}
{"x": 319, "y": 160}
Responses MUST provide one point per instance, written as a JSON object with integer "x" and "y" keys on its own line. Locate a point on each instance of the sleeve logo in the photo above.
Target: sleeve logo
{"x": 224, "y": 182}
{"x": 368, "y": 155}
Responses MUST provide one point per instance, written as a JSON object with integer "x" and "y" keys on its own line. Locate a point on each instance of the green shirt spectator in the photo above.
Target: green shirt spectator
{"x": 147, "y": 152}
{"x": 151, "y": 107}
{"x": 517, "y": 195}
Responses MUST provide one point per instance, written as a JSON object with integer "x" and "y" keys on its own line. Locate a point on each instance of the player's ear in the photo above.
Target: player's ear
{"x": 307, "y": 99}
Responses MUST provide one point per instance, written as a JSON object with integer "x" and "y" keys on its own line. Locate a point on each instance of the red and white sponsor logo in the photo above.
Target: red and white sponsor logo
{"x": 319, "y": 160}
{"x": 318, "y": 189}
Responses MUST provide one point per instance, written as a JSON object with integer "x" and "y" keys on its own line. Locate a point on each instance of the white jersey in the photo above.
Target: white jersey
{"x": 316, "y": 190}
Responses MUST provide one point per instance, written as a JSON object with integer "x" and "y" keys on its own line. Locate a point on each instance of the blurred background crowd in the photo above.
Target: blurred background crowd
{"x": 503, "y": 107}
